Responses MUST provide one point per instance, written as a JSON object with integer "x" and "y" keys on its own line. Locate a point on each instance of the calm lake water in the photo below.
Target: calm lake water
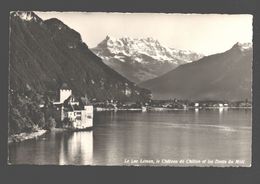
{"x": 176, "y": 138}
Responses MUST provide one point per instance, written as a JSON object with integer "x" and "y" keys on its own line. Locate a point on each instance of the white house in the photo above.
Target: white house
{"x": 196, "y": 104}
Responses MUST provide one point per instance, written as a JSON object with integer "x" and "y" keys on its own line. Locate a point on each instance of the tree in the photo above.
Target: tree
{"x": 66, "y": 122}
{"x": 51, "y": 123}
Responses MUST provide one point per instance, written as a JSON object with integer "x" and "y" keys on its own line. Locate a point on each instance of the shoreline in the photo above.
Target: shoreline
{"x": 15, "y": 138}
{"x": 26, "y": 136}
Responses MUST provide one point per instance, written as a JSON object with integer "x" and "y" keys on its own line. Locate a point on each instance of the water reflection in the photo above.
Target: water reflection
{"x": 77, "y": 148}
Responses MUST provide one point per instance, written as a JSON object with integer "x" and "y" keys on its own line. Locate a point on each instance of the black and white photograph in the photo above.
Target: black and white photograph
{"x": 130, "y": 89}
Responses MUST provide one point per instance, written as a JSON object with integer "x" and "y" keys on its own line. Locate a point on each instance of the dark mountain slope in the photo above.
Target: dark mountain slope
{"x": 224, "y": 76}
{"x": 44, "y": 54}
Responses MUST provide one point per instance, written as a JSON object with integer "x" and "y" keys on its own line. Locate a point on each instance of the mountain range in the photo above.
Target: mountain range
{"x": 222, "y": 76}
{"x": 45, "y": 54}
{"x": 140, "y": 59}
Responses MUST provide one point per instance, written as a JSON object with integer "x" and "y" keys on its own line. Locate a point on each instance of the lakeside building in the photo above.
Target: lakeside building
{"x": 74, "y": 114}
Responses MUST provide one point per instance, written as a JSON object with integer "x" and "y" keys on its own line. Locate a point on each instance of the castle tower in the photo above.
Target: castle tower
{"x": 65, "y": 92}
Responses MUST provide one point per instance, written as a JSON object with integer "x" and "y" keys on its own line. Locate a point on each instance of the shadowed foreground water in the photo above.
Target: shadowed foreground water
{"x": 194, "y": 138}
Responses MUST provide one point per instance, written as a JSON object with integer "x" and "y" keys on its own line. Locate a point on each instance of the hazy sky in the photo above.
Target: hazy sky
{"x": 203, "y": 33}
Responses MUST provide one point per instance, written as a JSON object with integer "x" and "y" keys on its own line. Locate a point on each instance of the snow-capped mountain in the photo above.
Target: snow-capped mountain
{"x": 141, "y": 59}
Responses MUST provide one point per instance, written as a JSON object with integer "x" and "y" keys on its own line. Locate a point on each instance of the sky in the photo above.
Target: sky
{"x": 203, "y": 33}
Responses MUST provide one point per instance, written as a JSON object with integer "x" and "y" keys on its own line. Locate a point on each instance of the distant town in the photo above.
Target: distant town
{"x": 171, "y": 104}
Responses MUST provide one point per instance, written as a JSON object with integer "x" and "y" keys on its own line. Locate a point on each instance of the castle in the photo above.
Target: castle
{"x": 75, "y": 114}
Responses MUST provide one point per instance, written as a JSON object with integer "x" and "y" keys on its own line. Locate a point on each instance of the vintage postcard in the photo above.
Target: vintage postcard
{"x": 130, "y": 89}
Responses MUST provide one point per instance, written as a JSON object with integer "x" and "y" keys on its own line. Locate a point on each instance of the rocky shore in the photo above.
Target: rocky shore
{"x": 25, "y": 136}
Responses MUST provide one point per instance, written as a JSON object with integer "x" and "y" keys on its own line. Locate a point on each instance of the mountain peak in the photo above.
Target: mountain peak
{"x": 148, "y": 46}
{"x": 151, "y": 39}
{"x": 129, "y": 39}
{"x": 242, "y": 46}
{"x": 26, "y": 15}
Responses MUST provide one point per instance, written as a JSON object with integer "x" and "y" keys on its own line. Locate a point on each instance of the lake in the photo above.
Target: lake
{"x": 220, "y": 137}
